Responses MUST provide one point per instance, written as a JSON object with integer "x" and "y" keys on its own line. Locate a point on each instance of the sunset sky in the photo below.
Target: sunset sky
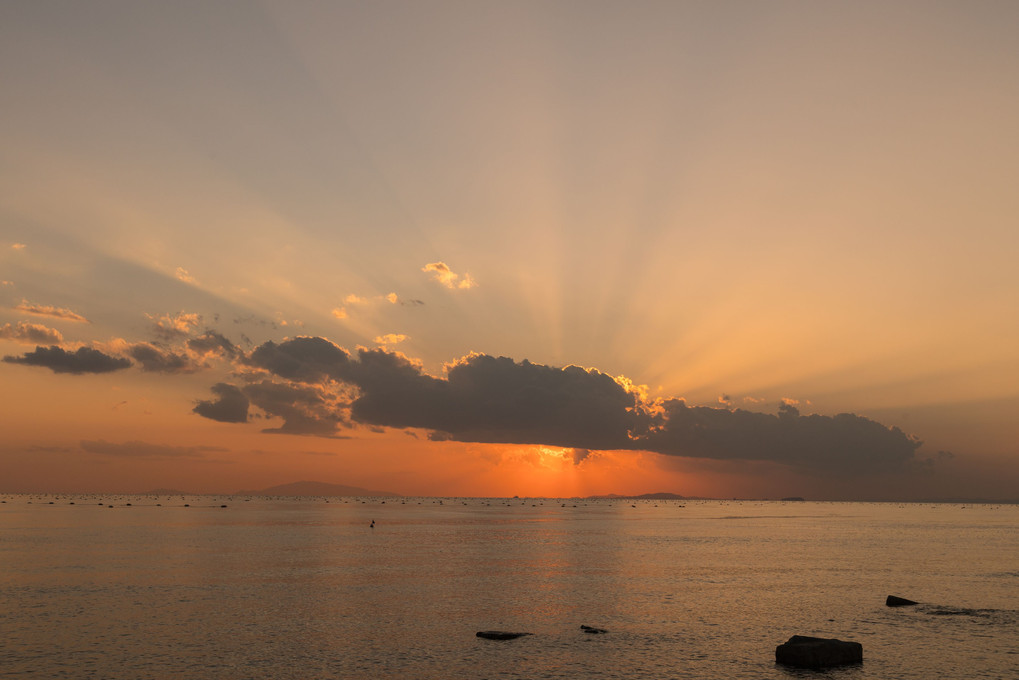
{"x": 753, "y": 249}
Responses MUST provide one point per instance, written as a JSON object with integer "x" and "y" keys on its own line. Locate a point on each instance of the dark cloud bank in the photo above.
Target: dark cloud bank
{"x": 497, "y": 400}
{"x": 151, "y": 358}
{"x": 83, "y": 360}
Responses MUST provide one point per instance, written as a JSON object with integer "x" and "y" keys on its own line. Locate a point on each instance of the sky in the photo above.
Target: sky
{"x": 722, "y": 249}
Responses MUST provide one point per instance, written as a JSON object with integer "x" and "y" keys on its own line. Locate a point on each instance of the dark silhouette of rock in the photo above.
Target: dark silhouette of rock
{"x": 893, "y": 601}
{"x": 592, "y": 630}
{"x": 811, "y": 652}
{"x": 500, "y": 635}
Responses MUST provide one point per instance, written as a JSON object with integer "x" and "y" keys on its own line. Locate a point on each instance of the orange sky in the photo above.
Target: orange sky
{"x": 752, "y": 207}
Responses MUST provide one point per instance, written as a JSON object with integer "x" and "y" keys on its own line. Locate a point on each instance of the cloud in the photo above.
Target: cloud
{"x": 483, "y": 399}
{"x": 230, "y": 405}
{"x": 845, "y": 443}
{"x": 174, "y": 326}
{"x": 27, "y": 307}
{"x": 354, "y": 300}
{"x": 304, "y": 359}
{"x": 579, "y": 455}
{"x": 441, "y": 272}
{"x": 212, "y": 343}
{"x": 156, "y": 360}
{"x": 137, "y": 449}
{"x": 18, "y": 246}
{"x": 390, "y": 338}
{"x": 497, "y": 400}
{"x": 305, "y": 409}
{"x": 184, "y": 275}
{"x": 84, "y": 360}
{"x": 494, "y": 399}
{"x": 6, "y": 283}
{"x": 31, "y": 334}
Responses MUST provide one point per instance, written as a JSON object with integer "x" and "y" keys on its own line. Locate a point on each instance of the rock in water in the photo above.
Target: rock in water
{"x": 811, "y": 652}
{"x": 592, "y": 630}
{"x": 894, "y": 601}
{"x": 500, "y": 635}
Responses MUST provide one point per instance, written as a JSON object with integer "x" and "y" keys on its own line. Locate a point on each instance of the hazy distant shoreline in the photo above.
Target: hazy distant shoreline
{"x": 309, "y": 490}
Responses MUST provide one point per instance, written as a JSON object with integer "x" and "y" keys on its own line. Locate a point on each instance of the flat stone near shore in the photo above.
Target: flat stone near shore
{"x": 500, "y": 635}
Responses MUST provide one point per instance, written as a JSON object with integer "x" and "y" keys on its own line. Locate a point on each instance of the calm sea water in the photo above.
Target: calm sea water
{"x": 305, "y": 589}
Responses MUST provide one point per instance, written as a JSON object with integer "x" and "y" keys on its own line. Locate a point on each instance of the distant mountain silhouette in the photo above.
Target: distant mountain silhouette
{"x": 314, "y": 489}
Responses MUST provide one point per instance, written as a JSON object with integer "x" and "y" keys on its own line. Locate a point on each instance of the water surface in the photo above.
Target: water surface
{"x": 277, "y": 588}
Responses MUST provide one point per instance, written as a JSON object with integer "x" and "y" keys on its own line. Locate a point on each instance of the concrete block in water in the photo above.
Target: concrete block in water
{"x": 811, "y": 652}
{"x": 894, "y": 601}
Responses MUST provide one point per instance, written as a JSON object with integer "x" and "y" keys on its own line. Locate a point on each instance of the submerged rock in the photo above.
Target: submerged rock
{"x": 592, "y": 630}
{"x": 500, "y": 635}
{"x": 894, "y": 601}
{"x": 810, "y": 652}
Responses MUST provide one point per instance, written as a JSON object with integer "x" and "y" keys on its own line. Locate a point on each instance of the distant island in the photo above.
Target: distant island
{"x": 660, "y": 496}
{"x": 314, "y": 489}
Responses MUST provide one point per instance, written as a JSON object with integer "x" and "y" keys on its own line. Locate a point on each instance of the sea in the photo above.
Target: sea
{"x": 136, "y": 587}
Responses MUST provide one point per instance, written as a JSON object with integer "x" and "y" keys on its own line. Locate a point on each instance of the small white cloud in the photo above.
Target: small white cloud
{"x": 392, "y": 299}
{"x": 174, "y": 325}
{"x": 184, "y": 275}
{"x": 31, "y": 334}
{"x": 18, "y": 246}
{"x": 390, "y": 338}
{"x": 441, "y": 272}
{"x": 340, "y": 312}
{"x": 27, "y": 307}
